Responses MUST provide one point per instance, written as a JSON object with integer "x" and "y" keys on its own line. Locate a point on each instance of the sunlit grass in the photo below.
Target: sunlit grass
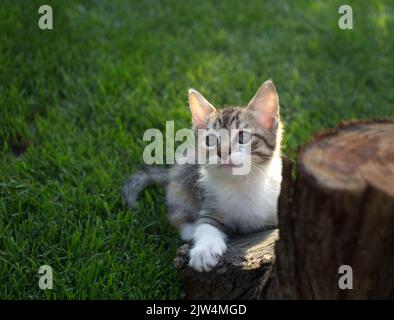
{"x": 75, "y": 101}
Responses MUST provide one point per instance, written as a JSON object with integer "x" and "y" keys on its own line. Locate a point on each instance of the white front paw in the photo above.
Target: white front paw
{"x": 206, "y": 256}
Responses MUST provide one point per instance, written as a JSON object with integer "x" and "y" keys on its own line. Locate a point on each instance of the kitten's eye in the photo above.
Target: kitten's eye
{"x": 211, "y": 140}
{"x": 244, "y": 137}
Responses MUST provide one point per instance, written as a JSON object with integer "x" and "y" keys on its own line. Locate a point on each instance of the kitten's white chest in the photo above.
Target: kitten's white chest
{"x": 249, "y": 203}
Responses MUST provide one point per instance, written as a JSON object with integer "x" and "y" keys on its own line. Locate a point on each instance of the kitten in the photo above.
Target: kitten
{"x": 206, "y": 202}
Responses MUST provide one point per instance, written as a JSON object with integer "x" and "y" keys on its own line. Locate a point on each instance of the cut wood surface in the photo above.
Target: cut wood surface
{"x": 352, "y": 158}
{"x": 338, "y": 211}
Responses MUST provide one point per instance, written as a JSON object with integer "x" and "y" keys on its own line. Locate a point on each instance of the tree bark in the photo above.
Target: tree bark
{"x": 339, "y": 211}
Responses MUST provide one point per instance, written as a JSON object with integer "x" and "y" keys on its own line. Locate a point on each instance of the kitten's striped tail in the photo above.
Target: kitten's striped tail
{"x": 140, "y": 180}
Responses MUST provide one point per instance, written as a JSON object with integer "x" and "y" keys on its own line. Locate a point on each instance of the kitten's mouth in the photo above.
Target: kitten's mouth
{"x": 228, "y": 166}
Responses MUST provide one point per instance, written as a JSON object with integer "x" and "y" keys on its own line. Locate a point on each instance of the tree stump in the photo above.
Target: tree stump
{"x": 339, "y": 211}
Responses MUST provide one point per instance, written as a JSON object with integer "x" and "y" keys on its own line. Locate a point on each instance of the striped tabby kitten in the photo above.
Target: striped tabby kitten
{"x": 206, "y": 202}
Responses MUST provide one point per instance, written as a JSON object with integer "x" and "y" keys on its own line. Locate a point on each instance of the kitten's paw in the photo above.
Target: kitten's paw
{"x": 206, "y": 257}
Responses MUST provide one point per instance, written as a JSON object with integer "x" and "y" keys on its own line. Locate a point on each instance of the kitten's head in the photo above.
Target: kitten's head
{"x": 232, "y": 136}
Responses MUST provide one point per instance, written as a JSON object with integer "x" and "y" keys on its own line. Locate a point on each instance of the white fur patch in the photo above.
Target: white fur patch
{"x": 186, "y": 231}
{"x": 248, "y": 202}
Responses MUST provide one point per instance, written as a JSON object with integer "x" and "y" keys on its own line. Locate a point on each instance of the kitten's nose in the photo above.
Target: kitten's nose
{"x": 226, "y": 153}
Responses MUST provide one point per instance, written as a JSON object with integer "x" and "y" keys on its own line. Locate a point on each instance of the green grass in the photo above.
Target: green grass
{"x": 75, "y": 101}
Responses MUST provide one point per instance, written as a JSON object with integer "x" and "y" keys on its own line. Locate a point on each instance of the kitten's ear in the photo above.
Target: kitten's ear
{"x": 265, "y": 105}
{"x": 200, "y": 108}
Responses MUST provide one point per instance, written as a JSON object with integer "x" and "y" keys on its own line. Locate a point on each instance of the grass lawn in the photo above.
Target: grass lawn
{"x": 75, "y": 102}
